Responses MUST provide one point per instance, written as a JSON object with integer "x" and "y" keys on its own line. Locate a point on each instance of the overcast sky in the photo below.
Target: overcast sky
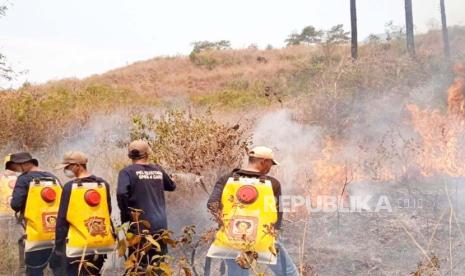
{"x": 53, "y": 39}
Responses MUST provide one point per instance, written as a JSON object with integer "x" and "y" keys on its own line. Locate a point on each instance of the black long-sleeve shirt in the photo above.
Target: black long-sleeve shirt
{"x": 21, "y": 189}
{"x": 142, "y": 187}
{"x": 62, "y": 226}
{"x": 214, "y": 202}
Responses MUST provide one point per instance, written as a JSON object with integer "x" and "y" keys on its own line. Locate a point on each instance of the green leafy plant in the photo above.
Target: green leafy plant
{"x": 308, "y": 35}
{"x": 201, "y": 53}
{"x": 333, "y": 38}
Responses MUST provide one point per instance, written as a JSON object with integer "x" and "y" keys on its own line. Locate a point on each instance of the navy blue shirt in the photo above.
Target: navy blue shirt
{"x": 143, "y": 187}
{"x": 19, "y": 197}
{"x": 62, "y": 227}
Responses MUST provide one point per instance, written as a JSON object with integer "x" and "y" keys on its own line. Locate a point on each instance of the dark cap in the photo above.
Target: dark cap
{"x": 19, "y": 158}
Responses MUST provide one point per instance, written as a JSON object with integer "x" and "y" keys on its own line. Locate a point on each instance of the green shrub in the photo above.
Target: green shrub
{"x": 230, "y": 98}
{"x": 203, "y": 52}
{"x": 240, "y": 93}
{"x": 204, "y": 59}
{"x": 210, "y": 59}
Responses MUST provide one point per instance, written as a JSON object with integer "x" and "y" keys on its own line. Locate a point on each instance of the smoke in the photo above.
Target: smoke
{"x": 101, "y": 139}
{"x": 375, "y": 144}
{"x": 295, "y": 144}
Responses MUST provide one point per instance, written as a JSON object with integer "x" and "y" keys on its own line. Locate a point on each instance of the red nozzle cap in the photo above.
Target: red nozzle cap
{"x": 92, "y": 197}
{"x": 48, "y": 194}
{"x": 247, "y": 194}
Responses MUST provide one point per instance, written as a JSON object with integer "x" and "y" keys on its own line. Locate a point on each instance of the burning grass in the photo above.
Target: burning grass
{"x": 441, "y": 144}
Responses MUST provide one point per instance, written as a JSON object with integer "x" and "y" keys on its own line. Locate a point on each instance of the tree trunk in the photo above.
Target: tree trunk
{"x": 409, "y": 27}
{"x": 353, "y": 22}
{"x": 445, "y": 32}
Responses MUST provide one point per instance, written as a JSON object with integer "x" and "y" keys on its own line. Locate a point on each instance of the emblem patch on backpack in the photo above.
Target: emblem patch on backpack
{"x": 96, "y": 226}
{"x": 243, "y": 228}
{"x": 49, "y": 221}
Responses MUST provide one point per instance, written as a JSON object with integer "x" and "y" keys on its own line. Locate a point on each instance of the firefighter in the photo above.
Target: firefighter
{"x": 84, "y": 232}
{"x": 142, "y": 186}
{"x": 246, "y": 205}
{"x": 35, "y": 198}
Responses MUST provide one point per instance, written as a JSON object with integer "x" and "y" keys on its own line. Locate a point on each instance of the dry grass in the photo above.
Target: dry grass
{"x": 9, "y": 260}
{"x": 165, "y": 77}
{"x": 230, "y": 80}
{"x": 174, "y": 76}
{"x": 35, "y": 117}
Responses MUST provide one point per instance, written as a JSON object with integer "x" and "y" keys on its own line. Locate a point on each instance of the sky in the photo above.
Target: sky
{"x": 53, "y": 39}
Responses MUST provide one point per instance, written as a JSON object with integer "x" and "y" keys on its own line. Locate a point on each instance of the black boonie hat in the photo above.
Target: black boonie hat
{"x": 19, "y": 158}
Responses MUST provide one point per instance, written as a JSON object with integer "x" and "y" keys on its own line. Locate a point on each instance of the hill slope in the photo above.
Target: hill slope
{"x": 223, "y": 80}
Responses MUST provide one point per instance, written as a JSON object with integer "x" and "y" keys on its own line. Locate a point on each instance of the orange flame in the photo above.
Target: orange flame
{"x": 437, "y": 150}
{"x": 330, "y": 174}
{"x": 455, "y": 93}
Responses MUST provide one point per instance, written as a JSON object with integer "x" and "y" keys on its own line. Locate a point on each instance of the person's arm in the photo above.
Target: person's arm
{"x": 62, "y": 224}
{"x": 168, "y": 183}
{"x": 107, "y": 186}
{"x": 19, "y": 196}
{"x": 122, "y": 196}
{"x": 277, "y": 194}
{"x": 214, "y": 202}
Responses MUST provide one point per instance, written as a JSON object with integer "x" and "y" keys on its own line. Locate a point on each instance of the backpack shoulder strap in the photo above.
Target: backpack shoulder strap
{"x": 235, "y": 176}
{"x": 38, "y": 180}
{"x": 261, "y": 178}
{"x": 81, "y": 181}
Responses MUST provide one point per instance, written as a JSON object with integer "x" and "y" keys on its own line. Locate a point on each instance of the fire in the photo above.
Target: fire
{"x": 440, "y": 143}
{"x": 329, "y": 174}
{"x": 438, "y": 147}
{"x": 441, "y": 149}
{"x": 455, "y": 93}
{"x": 332, "y": 172}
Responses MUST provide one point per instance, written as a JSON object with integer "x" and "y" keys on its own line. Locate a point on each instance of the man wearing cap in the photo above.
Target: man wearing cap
{"x": 24, "y": 163}
{"x": 74, "y": 166}
{"x": 261, "y": 159}
{"x": 142, "y": 185}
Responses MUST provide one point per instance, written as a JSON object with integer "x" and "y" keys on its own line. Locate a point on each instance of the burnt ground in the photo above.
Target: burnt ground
{"x": 384, "y": 243}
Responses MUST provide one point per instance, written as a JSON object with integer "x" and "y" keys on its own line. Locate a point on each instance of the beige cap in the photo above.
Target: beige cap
{"x": 263, "y": 152}
{"x": 73, "y": 157}
{"x": 139, "y": 149}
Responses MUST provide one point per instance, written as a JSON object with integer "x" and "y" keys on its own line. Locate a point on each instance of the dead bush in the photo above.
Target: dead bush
{"x": 190, "y": 143}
